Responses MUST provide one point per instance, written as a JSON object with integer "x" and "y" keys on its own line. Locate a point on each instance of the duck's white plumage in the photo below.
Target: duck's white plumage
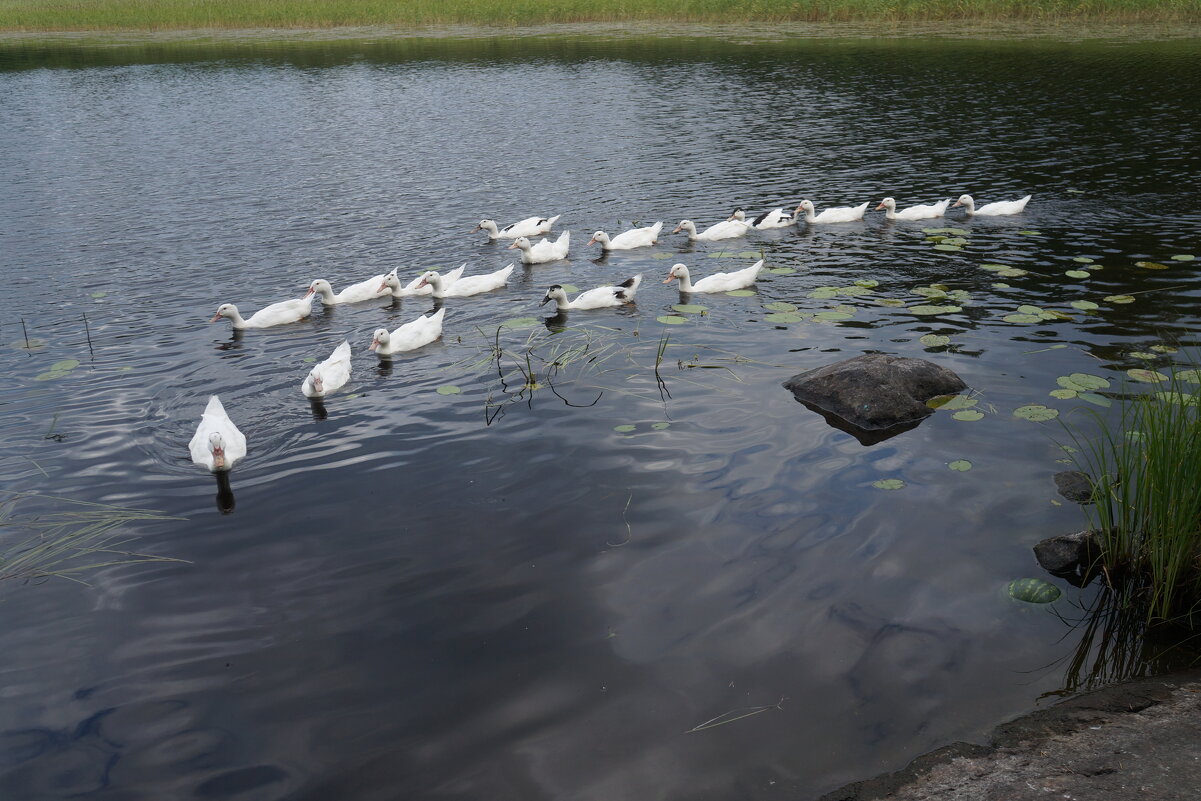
{"x": 217, "y": 444}
{"x": 628, "y": 240}
{"x": 726, "y": 229}
{"x": 470, "y": 285}
{"x": 416, "y": 287}
{"x": 598, "y": 298}
{"x": 355, "y": 293}
{"x": 718, "y": 282}
{"x": 544, "y": 251}
{"x": 776, "y": 218}
{"x": 410, "y": 336}
{"x": 286, "y": 311}
{"x": 998, "y": 209}
{"x": 918, "y": 212}
{"x": 530, "y": 226}
{"x": 329, "y": 375}
{"x": 836, "y": 214}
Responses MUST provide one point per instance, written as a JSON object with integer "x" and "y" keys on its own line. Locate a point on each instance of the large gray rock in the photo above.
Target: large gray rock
{"x": 1066, "y": 553}
{"x": 1074, "y": 485}
{"x": 875, "y": 392}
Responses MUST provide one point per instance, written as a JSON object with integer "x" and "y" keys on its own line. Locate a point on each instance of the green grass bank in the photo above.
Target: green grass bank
{"x": 116, "y": 15}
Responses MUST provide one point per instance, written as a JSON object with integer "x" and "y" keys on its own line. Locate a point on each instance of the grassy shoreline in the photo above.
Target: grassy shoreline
{"x": 155, "y": 15}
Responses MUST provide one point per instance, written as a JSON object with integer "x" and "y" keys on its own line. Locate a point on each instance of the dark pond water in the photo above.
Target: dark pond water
{"x": 495, "y": 594}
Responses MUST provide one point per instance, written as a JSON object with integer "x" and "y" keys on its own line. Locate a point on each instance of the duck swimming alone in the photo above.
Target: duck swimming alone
{"x": 329, "y": 375}
{"x": 217, "y": 444}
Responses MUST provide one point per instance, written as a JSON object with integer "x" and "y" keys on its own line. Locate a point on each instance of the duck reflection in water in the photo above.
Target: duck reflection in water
{"x": 317, "y": 405}
{"x": 225, "y": 493}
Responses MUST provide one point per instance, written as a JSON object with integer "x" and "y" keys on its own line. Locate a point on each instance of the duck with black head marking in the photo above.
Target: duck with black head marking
{"x": 599, "y": 298}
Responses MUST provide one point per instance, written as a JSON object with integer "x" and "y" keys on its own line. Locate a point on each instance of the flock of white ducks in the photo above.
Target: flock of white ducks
{"x": 218, "y": 445}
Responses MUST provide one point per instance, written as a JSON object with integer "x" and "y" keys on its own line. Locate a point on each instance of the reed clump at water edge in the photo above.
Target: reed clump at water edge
{"x": 1145, "y": 467}
{"x": 83, "y": 15}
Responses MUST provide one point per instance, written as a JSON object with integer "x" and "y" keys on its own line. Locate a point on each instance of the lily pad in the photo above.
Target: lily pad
{"x": 1119, "y": 299}
{"x": 1064, "y": 394}
{"x": 947, "y": 248}
{"x": 781, "y": 270}
{"x": 830, "y": 316}
{"x": 1151, "y": 265}
{"x": 65, "y": 365}
{"x": 1082, "y": 382}
{"x": 521, "y": 322}
{"x": 1082, "y": 260}
{"x": 1033, "y": 591}
{"x": 309, "y": 359}
{"x": 994, "y": 268}
{"x": 824, "y": 293}
{"x": 690, "y": 308}
{"x": 1084, "y": 305}
{"x": 1031, "y": 233}
{"x": 741, "y": 293}
{"x": 660, "y": 426}
{"x": 1036, "y": 412}
{"x": 672, "y": 319}
{"x": 968, "y": 415}
{"x": 1000, "y": 285}
{"x": 867, "y": 283}
{"x": 1183, "y": 257}
{"x": 31, "y": 344}
{"x": 929, "y": 292}
{"x": 932, "y": 310}
{"x": 1022, "y": 318}
{"x": 661, "y": 256}
{"x": 625, "y": 428}
{"x": 888, "y": 484}
{"x": 951, "y": 402}
{"x": 1183, "y": 398}
{"x": 895, "y": 303}
{"x": 1012, "y": 272}
{"x": 50, "y": 375}
{"x": 1191, "y": 376}
{"x": 1095, "y": 399}
{"x": 1163, "y": 349}
{"x": 448, "y": 389}
{"x": 1077, "y": 273}
{"x": 935, "y": 340}
{"x": 1142, "y": 354}
{"x": 960, "y": 465}
{"x": 779, "y": 306}
{"x": 1147, "y": 376}
{"x": 100, "y": 294}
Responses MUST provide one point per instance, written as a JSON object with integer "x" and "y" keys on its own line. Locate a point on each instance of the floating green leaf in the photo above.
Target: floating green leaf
{"x": 31, "y": 344}
{"x": 448, "y": 389}
{"x": 1012, "y": 272}
{"x": 309, "y": 359}
{"x": 1084, "y": 305}
{"x": 895, "y": 303}
{"x": 50, "y": 375}
{"x": 1183, "y": 257}
{"x": 780, "y": 306}
{"x": 741, "y": 293}
{"x": 960, "y": 465}
{"x": 952, "y": 231}
{"x": 661, "y": 256}
{"x": 995, "y": 268}
{"x": 1082, "y": 382}
{"x": 934, "y": 293}
{"x": 1036, "y": 412}
{"x": 660, "y": 426}
{"x": 951, "y": 402}
{"x": 1000, "y": 285}
{"x": 824, "y": 293}
{"x": 934, "y": 340}
{"x": 1022, "y": 318}
{"x": 1142, "y": 354}
{"x": 1146, "y": 376}
{"x": 867, "y": 283}
{"x": 947, "y": 248}
{"x": 1183, "y": 398}
{"x": 1033, "y": 591}
{"x": 750, "y": 254}
{"x": 1150, "y": 265}
{"x": 521, "y": 322}
{"x": 1077, "y": 273}
{"x": 1064, "y": 394}
{"x": 830, "y": 316}
{"x": 968, "y": 415}
{"x": 784, "y": 317}
{"x": 1031, "y": 233}
{"x": 65, "y": 365}
{"x": 1191, "y": 376}
{"x": 1163, "y": 349}
{"x": 99, "y": 294}
{"x": 1119, "y": 299}
{"x": 625, "y": 428}
{"x": 781, "y": 270}
{"x": 1082, "y": 260}
{"x": 888, "y": 484}
{"x": 932, "y": 310}
{"x": 672, "y": 319}
{"x": 690, "y": 308}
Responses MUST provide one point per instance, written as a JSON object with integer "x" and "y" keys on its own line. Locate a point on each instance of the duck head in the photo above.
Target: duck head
{"x": 486, "y": 225}
{"x": 554, "y": 292}
{"x": 217, "y": 449}
{"x": 379, "y": 338}
{"x": 599, "y": 236}
{"x": 225, "y": 310}
{"x": 887, "y": 203}
{"x": 677, "y": 271}
{"x": 520, "y": 242}
{"x": 964, "y": 200}
{"x": 321, "y": 287}
{"x": 685, "y": 225}
{"x": 738, "y": 214}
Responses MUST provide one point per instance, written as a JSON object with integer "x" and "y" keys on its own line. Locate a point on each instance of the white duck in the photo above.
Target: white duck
{"x": 391, "y": 284}
{"x": 997, "y": 209}
{"x": 530, "y": 226}
{"x": 628, "y": 240}
{"x": 833, "y": 215}
{"x": 410, "y": 336}
{"x": 718, "y": 282}
{"x": 545, "y": 250}
{"x": 370, "y": 289}
{"x": 217, "y": 444}
{"x": 776, "y": 218}
{"x": 726, "y": 229}
{"x": 465, "y": 287}
{"x": 919, "y": 212}
{"x": 286, "y": 311}
{"x": 329, "y": 375}
{"x": 598, "y": 298}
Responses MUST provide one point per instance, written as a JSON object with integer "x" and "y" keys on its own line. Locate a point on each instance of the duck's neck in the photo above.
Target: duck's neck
{"x": 236, "y": 318}
{"x": 691, "y": 229}
{"x": 809, "y": 213}
{"x": 327, "y": 294}
{"x": 435, "y": 282}
{"x": 890, "y": 212}
{"x": 685, "y": 283}
{"x": 969, "y": 208}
